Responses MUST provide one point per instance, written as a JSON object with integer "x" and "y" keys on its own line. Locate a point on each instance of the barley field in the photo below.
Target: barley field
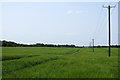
{"x": 59, "y": 62}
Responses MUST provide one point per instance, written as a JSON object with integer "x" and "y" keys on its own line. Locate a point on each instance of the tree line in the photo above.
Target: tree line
{"x": 14, "y": 44}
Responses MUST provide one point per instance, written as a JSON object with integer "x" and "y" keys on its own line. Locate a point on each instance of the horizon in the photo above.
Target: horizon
{"x": 56, "y": 44}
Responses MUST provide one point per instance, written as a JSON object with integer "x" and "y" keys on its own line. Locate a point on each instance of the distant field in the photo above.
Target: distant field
{"x": 51, "y": 62}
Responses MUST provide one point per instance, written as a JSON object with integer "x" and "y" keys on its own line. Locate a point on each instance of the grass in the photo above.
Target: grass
{"x": 51, "y": 62}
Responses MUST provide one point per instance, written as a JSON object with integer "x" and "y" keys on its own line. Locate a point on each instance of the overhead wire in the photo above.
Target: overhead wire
{"x": 100, "y": 26}
{"x": 109, "y": 3}
{"x": 102, "y": 21}
{"x": 99, "y": 21}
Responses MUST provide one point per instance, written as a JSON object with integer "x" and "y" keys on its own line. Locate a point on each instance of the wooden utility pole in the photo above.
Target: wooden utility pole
{"x": 90, "y": 44}
{"x": 109, "y": 37}
{"x": 93, "y": 44}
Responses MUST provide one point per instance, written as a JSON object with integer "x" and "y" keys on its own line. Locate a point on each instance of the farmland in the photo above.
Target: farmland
{"x": 59, "y": 62}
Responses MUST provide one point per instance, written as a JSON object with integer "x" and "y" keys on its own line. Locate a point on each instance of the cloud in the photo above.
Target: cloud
{"x": 79, "y": 12}
{"x": 69, "y": 12}
{"x": 70, "y": 34}
{"x": 75, "y": 12}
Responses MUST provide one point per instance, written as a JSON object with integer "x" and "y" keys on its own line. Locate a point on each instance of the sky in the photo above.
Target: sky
{"x": 58, "y": 22}
{"x": 119, "y": 23}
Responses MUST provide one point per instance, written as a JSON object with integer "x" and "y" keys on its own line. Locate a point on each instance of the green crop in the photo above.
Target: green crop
{"x": 52, "y": 62}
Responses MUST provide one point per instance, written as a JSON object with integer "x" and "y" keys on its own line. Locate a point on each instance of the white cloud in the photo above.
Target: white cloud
{"x": 69, "y": 12}
{"x": 70, "y": 34}
{"x": 76, "y": 12}
{"x": 79, "y": 12}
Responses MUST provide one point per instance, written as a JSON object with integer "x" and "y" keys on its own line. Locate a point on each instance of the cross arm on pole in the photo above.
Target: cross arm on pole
{"x": 109, "y": 6}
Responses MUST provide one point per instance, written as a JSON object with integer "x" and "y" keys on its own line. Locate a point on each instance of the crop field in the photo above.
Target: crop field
{"x": 58, "y": 62}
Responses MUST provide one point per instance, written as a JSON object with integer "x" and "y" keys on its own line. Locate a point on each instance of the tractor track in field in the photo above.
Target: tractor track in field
{"x": 19, "y": 57}
{"x": 31, "y": 65}
{"x": 72, "y": 53}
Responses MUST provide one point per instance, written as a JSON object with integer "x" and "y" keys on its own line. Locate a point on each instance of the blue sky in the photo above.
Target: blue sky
{"x": 58, "y": 22}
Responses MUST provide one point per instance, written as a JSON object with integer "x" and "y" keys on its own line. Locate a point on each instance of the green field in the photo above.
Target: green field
{"x": 52, "y": 62}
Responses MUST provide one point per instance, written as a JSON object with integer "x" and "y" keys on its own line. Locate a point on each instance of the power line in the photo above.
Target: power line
{"x": 98, "y": 20}
{"x": 100, "y": 26}
{"x": 103, "y": 25}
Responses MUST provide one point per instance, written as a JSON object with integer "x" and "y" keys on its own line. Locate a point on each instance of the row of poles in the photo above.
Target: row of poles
{"x": 109, "y": 32}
